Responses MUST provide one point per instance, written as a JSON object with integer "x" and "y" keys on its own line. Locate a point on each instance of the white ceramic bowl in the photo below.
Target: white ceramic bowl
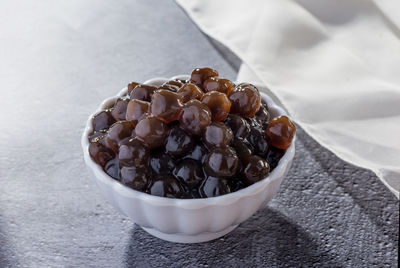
{"x": 187, "y": 220}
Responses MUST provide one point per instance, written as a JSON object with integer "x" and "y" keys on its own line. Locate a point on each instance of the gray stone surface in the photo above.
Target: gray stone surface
{"x": 59, "y": 59}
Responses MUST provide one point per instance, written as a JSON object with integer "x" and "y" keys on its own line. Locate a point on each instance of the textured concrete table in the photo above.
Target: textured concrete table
{"x": 58, "y": 60}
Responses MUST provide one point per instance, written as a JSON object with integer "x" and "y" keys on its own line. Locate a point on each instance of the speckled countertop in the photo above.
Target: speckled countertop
{"x": 58, "y": 61}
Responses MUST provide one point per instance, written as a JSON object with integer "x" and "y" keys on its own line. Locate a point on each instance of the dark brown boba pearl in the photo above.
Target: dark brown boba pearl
{"x": 242, "y": 147}
{"x": 166, "y": 105}
{"x": 198, "y": 153}
{"x": 118, "y": 132}
{"x": 236, "y": 184}
{"x": 195, "y": 117}
{"x": 178, "y": 142}
{"x": 189, "y": 172}
{"x": 131, "y": 86}
{"x": 171, "y": 85}
{"x": 151, "y": 131}
{"x": 134, "y": 177}
{"x": 190, "y": 91}
{"x": 112, "y": 168}
{"x": 218, "y": 84}
{"x": 245, "y": 100}
{"x": 166, "y": 186}
{"x": 161, "y": 163}
{"x": 96, "y": 136}
{"x": 199, "y": 75}
{"x": 119, "y": 110}
{"x": 255, "y": 169}
{"x": 218, "y": 103}
{"x": 133, "y": 153}
{"x": 274, "y": 155}
{"x": 221, "y": 162}
{"x": 263, "y": 117}
{"x": 100, "y": 153}
{"x": 280, "y": 132}
{"x": 136, "y": 110}
{"x": 238, "y": 125}
{"x": 213, "y": 187}
{"x": 217, "y": 135}
{"x": 103, "y": 120}
{"x": 142, "y": 92}
{"x": 258, "y": 141}
{"x": 253, "y": 122}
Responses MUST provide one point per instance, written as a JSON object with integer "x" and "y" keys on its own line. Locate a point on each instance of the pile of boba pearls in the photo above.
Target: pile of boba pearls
{"x": 197, "y": 138}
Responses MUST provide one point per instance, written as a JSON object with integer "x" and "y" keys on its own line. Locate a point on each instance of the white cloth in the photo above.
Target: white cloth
{"x": 335, "y": 66}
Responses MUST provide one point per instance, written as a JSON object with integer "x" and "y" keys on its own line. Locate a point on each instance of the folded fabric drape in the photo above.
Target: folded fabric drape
{"x": 334, "y": 65}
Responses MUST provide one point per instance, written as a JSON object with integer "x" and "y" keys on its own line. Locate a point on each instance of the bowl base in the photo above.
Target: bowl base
{"x": 184, "y": 238}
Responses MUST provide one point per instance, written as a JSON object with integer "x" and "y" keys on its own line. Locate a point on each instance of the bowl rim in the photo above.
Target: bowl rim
{"x": 194, "y": 203}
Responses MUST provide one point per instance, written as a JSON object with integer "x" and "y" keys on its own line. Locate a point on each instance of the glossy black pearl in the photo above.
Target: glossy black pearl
{"x": 213, "y": 187}
{"x": 263, "y": 117}
{"x": 243, "y": 148}
{"x": 178, "y": 142}
{"x": 253, "y": 122}
{"x": 258, "y": 140}
{"x": 134, "y": 177}
{"x": 166, "y": 186}
{"x": 238, "y": 125}
{"x": 274, "y": 155}
{"x": 255, "y": 169}
{"x": 189, "y": 172}
{"x": 198, "y": 153}
{"x": 236, "y": 184}
{"x": 161, "y": 163}
{"x": 112, "y": 168}
{"x": 221, "y": 162}
{"x": 133, "y": 153}
{"x": 217, "y": 135}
